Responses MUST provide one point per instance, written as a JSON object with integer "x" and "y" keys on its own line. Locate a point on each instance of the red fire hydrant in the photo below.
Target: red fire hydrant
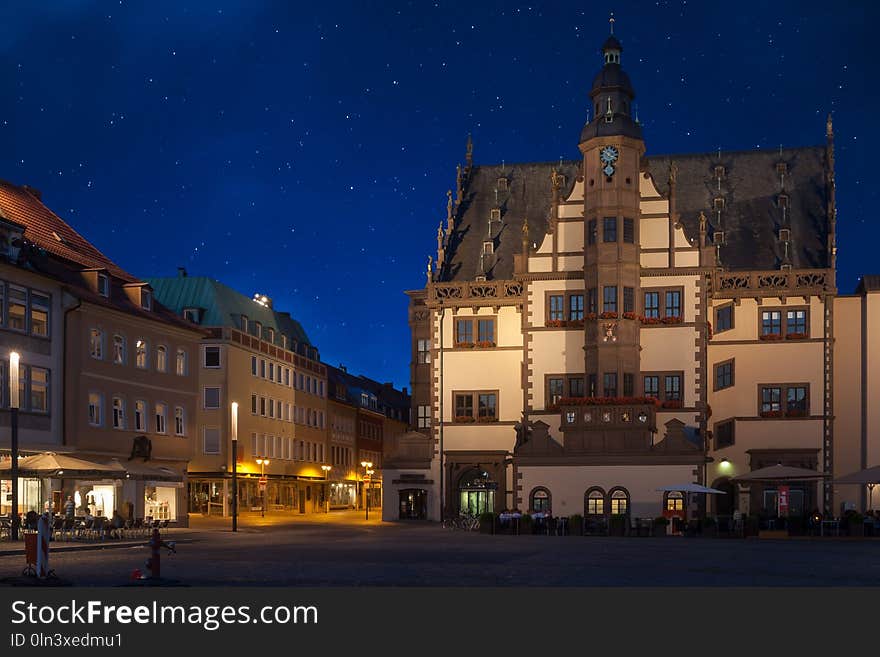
{"x": 153, "y": 563}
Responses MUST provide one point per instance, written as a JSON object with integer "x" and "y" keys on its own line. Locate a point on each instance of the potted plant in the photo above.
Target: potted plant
{"x": 525, "y": 524}
{"x": 576, "y": 525}
{"x": 487, "y": 523}
{"x": 661, "y": 525}
{"x": 617, "y": 524}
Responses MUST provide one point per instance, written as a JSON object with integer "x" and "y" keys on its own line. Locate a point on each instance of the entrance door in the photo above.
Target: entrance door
{"x": 413, "y": 504}
{"x": 302, "y": 501}
{"x": 476, "y": 493}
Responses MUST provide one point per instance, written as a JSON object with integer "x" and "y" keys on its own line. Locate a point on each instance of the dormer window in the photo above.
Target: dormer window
{"x": 719, "y": 171}
{"x": 104, "y": 285}
{"x": 481, "y": 278}
{"x": 782, "y": 168}
{"x": 146, "y": 299}
{"x": 270, "y": 335}
{"x": 488, "y": 247}
{"x": 782, "y": 201}
{"x": 258, "y": 330}
{"x": 192, "y": 314}
{"x": 502, "y": 184}
{"x": 718, "y": 203}
{"x": 244, "y": 323}
{"x": 784, "y": 235}
{"x": 495, "y": 214}
{"x": 718, "y": 237}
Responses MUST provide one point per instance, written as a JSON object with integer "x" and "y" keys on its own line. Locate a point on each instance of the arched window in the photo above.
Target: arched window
{"x": 141, "y": 353}
{"x": 161, "y": 358}
{"x": 594, "y": 502}
{"x": 119, "y": 349}
{"x": 619, "y": 501}
{"x": 539, "y": 500}
{"x": 181, "y": 363}
{"x": 674, "y": 501}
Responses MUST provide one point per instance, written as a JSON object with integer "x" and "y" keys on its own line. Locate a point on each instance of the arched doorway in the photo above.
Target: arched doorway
{"x": 413, "y": 504}
{"x": 725, "y": 504}
{"x": 476, "y": 492}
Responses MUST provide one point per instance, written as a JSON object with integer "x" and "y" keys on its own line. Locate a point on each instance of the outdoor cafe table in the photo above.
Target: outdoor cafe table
{"x": 513, "y": 518}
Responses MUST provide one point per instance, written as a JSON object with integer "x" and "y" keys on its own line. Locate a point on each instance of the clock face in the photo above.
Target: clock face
{"x": 608, "y": 155}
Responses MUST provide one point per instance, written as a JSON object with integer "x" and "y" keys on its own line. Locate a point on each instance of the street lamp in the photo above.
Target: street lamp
{"x": 13, "y": 443}
{"x": 234, "y": 434}
{"x": 366, "y": 465}
{"x": 263, "y": 463}
{"x": 326, "y": 469}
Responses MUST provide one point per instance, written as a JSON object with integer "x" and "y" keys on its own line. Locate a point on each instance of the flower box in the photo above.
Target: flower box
{"x": 795, "y": 412}
{"x": 555, "y": 323}
{"x": 649, "y": 320}
{"x": 770, "y": 337}
{"x": 576, "y": 323}
{"x": 590, "y": 316}
{"x": 710, "y": 333}
{"x": 463, "y": 419}
{"x": 671, "y": 320}
{"x": 607, "y": 401}
{"x": 629, "y": 315}
{"x": 795, "y": 336}
{"x": 485, "y": 344}
{"x": 771, "y": 413}
{"x": 608, "y": 314}
{"x": 486, "y": 419}
{"x": 672, "y": 403}
{"x": 464, "y": 345}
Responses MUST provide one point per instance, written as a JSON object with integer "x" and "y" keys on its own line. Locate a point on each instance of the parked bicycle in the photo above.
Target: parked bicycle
{"x": 463, "y": 521}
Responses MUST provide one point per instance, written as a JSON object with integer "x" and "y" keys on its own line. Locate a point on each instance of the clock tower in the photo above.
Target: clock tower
{"x": 612, "y": 147}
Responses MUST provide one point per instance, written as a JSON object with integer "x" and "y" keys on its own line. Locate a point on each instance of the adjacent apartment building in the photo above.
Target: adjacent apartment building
{"x": 595, "y": 329}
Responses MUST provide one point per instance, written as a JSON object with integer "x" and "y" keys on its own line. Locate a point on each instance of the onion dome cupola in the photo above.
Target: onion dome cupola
{"x": 612, "y": 97}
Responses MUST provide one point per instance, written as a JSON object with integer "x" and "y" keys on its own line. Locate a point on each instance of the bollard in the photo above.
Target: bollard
{"x": 153, "y": 563}
{"x": 43, "y": 535}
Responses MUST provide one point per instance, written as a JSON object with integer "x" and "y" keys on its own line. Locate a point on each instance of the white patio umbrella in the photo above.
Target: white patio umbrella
{"x": 780, "y": 472}
{"x": 869, "y": 477}
{"x": 690, "y": 488}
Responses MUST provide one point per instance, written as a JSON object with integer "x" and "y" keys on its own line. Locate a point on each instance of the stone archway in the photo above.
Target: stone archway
{"x": 725, "y": 505}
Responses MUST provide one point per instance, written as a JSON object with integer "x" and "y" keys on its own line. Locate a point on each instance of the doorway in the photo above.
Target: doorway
{"x": 413, "y": 504}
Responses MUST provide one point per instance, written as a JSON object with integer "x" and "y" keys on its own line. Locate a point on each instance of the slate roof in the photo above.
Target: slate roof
{"x": 222, "y": 306}
{"x": 869, "y": 283}
{"x": 750, "y": 219}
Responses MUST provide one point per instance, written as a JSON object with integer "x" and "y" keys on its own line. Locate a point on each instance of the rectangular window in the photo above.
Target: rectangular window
{"x": 576, "y": 307}
{"x": 161, "y": 418}
{"x": 212, "y": 440}
{"x": 771, "y": 322}
{"x": 140, "y": 415}
{"x": 557, "y": 308}
{"x": 212, "y": 357}
{"x": 118, "y": 413}
{"x": 796, "y": 323}
{"x": 263, "y": 406}
{"x": 140, "y": 354}
{"x": 591, "y": 231}
{"x": 253, "y": 404}
{"x": 724, "y": 375}
{"x": 576, "y": 386}
{"x": 486, "y": 330}
{"x": 146, "y": 299}
{"x": 629, "y": 299}
{"x": 254, "y": 365}
{"x": 464, "y": 331}
{"x": 652, "y": 386}
{"x": 796, "y": 400}
{"x": 96, "y": 410}
{"x": 119, "y": 350}
{"x": 212, "y": 397}
{"x": 673, "y": 303}
{"x": 424, "y": 417}
{"x": 38, "y": 397}
{"x": 609, "y": 229}
{"x": 487, "y": 405}
{"x": 672, "y": 387}
{"x": 609, "y": 299}
{"x": 424, "y": 351}
{"x": 271, "y": 376}
{"x": 39, "y": 314}
{"x": 609, "y": 381}
{"x": 628, "y": 384}
{"x": 262, "y": 368}
{"x": 652, "y": 304}
{"x": 628, "y": 230}
{"x": 555, "y": 390}
{"x": 724, "y": 434}
{"x": 591, "y": 379}
{"x": 103, "y": 285}
{"x": 179, "y": 424}
{"x": 17, "y": 309}
{"x": 724, "y": 318}
{"x": 464, "y": 406}
{"x": 771, "y": 400}
{"x": 287, "y": 376}
{"x": 271, "y": 407}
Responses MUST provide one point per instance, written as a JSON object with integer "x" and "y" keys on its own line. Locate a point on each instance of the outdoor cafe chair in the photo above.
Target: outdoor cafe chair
{"x": 67, "y": 527}
{"x": 58, "y": 526}
{"x": 6, "y": 527}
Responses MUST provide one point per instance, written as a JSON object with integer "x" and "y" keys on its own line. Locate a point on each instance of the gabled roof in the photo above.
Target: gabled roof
{"x": 222, "y": 305}
{"x": 750, "y": 219}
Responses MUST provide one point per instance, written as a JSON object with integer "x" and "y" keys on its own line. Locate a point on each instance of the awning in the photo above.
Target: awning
{"x": 780, "y": 473}
{"x": 58, "y": 466}
{"x": 150, "y": 470}
{"x": 866, "y": 477}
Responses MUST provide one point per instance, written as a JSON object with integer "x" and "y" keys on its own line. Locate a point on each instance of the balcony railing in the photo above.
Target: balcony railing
{"x": 468, "y": 293}
{"x": 791, "y": 282}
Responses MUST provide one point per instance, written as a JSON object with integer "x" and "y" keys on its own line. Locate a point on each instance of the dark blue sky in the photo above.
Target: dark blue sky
{"x": 304, "y": 150}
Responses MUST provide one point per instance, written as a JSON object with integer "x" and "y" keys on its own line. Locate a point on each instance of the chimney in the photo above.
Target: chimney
{"x": 181, "y": 272}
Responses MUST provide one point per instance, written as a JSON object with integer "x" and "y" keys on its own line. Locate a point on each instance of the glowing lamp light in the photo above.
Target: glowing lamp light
{"x": 13, "y": 379}
{"x": 724, "y": 465}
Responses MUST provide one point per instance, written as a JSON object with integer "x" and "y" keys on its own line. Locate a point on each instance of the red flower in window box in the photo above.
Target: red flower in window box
{"x": 463, "y": 419}
{"x": 485, "y": 344}
{"x": 710, "y": 333}
{"x": 608, "y": 314}
{"x": 486, "y": 419}
{"x": 606, "y": 401}
{"x": 649, "y": 320}
{"x": 576, "y": 323}
{"x": 629, "y": 315}
{"x": 770, "y": 337}
{"x": 590, "y": 316}
{"x": 771, "y": 413}
{"x": 464, "y": 345}
{"x": 555, "y": 323}
{"x": 795, "y": 412}
{"x": 672, "y": 319}
{"x": 795, "y": 336}
{"x": 672, "y": 403}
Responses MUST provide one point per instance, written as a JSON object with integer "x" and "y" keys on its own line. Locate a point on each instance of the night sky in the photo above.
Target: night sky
{"x": 304, "y": 150}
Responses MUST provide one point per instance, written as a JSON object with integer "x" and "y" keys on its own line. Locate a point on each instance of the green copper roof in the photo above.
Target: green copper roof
{"x": 222, "y": 306}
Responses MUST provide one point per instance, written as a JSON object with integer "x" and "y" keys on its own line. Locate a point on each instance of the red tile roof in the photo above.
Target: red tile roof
{"x": 22, "y": 206}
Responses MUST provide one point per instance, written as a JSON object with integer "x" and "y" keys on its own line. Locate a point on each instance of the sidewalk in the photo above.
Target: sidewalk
{"x": 254, "y": 521}
{"x": 178, "y": 534}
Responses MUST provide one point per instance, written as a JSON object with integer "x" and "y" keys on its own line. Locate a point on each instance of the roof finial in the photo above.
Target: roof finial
{"x": 469, "y": 152}
{"x": 829, "y": 128}
{"x": 611, "y": 22}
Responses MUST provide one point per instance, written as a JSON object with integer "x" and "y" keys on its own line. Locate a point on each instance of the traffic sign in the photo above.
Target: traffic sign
{"x": 263, "y": 481}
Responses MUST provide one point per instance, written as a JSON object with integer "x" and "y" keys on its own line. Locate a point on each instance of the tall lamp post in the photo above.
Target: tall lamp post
{"x": 233, "y": 424}
{"x": 326, "y": 469}
{"x": 13, "y": 443}
{"x": 366, "y": 466}
{"x": 263, "y": 463}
